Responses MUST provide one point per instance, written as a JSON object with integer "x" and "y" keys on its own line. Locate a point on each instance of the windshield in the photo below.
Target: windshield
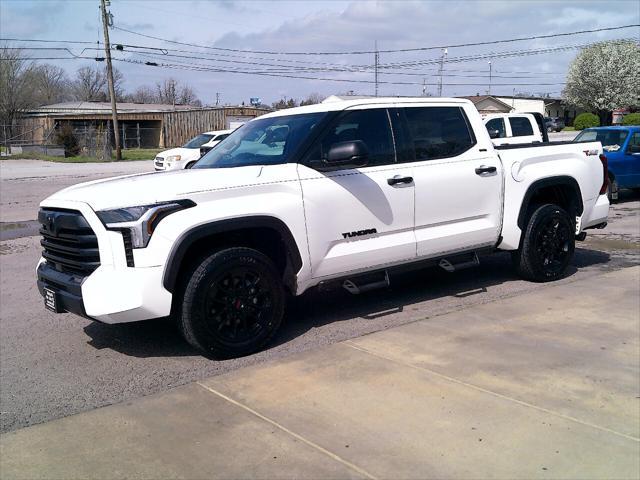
{"x": 611, "y": 140}
{"x": 198, "y": 141}
{"x": 264, "y": 141}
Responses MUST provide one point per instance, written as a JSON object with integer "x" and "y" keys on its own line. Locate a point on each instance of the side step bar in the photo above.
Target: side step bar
{"x": 459, "y": 263}
{"x": 365, "y": 283}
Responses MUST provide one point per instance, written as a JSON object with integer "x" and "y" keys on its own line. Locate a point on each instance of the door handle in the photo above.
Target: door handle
{"x": 398, "y": 179}
{"x": 485, "y": 171}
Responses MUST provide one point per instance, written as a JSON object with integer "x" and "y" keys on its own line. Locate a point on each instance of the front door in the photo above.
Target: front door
{"x": 358, "y": 218}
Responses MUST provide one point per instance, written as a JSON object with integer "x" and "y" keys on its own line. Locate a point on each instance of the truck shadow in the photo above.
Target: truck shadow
{"x": 429, "y": 292}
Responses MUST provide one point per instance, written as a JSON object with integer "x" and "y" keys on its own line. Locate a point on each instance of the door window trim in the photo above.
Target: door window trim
{"x": 302, "y": 159}
{"x": 410, "y": 147}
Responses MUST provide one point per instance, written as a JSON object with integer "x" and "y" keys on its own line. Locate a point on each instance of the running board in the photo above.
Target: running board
{"x": 365, "y": 283}
{"x": 459, "y": 263}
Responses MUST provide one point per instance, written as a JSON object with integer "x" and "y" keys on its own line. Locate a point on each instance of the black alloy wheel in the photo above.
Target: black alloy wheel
{"x": 239, "y": 305}
{"x": 552, "y": 244}
{"x": 547, "y": 245}
{"x": 233, "y": 303}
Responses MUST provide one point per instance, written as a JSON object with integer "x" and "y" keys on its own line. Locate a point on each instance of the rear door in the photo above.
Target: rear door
{"x": 631, "y": 167}
{"x": 458, "y": 180}
{"x": 358, "y": 218}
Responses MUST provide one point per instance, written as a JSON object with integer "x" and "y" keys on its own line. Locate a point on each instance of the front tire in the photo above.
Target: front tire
{"x": 233, "y": 303}
{"x": 547, "y": 246}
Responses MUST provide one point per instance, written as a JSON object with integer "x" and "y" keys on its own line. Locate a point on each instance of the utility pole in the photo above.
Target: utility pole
{"x": 217, "y": 98}
{"x": 377, "y": 61}
{"x": 112, "y": 91}
{"x": 424, "y": 87}
{"x": 442, "y": 58}
{"x": 490, "y": 71}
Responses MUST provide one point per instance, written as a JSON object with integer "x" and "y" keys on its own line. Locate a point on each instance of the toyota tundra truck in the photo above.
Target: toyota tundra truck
{"x": 339, "y": 193}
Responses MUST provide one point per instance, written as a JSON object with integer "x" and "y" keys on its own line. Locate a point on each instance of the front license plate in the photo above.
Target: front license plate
{"x": 51, "y": 300}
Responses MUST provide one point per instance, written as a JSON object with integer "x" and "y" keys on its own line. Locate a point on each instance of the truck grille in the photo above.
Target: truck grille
{"x": 68, "y": 241}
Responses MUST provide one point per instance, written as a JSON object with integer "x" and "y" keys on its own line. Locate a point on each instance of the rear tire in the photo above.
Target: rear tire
{"x": 189, "y": 165}
{"x": 233, "y": 303}
{"x": 613, "y": 192}
{"x": 547, "y": 246}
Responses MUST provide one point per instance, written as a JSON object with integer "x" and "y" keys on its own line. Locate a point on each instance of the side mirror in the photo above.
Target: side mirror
{"x": 352, "y": 154}
{"x": 494, "y": 133}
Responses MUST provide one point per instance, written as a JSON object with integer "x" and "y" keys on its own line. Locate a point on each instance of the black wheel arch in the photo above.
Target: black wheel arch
{"x": 562, "y": 190}
{"x": 228, "y": 228}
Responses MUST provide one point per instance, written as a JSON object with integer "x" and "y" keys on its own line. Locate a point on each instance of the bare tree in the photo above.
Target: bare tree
{"x": 16, "y": 93}
{"x": 90, "y": 84}
{"x": 142, "y": 94}
{"x": 171, "y": 92}
{"x": 50, "y": 83}
{"x": 312, "y": 99}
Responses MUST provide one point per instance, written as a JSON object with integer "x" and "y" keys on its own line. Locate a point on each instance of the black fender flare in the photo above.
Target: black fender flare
{"x": 188, "y": 238}
{"x": 559, "y": 181}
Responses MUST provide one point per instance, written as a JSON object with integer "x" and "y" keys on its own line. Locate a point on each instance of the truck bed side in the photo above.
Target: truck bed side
{"x": 528, "y": 166}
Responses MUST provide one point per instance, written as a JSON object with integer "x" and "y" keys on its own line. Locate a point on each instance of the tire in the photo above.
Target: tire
{"x": 547, "y": 246}
{"x": 189, "y": 165}
{"x": 613, "y": 192}
{"x": 233, "y": 303}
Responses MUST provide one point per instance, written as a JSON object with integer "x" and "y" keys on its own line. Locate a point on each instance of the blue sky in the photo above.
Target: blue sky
{"x": 314, "y": 26}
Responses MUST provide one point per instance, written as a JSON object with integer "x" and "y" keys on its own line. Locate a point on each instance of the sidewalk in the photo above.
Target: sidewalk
{"x": 542, "y": 385}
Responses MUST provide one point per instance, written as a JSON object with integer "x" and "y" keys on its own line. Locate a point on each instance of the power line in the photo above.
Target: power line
{"x": 368, "y": 52}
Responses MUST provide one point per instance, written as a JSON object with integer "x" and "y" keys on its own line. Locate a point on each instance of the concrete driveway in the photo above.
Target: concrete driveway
{"x": 542, "y": 385}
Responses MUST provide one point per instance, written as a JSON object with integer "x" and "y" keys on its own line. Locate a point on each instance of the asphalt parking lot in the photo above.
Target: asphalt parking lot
{"x": 52, "y": 366}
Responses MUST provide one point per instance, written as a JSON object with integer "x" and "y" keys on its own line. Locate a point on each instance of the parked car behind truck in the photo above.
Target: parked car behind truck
{"x": 184, "y": 157}
{"x": 338, "y": 193}
{"x": 621, "y": 146}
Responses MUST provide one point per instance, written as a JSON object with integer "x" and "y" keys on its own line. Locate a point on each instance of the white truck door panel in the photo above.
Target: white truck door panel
{"x": 458, "y": 182}
{"x": 341, "y": 207}
{"x": 355, "y": 219}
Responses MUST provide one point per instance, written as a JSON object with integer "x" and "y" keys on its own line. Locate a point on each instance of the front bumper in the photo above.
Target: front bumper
{"x": 114, "y": 292}
{"x": 108, "y": 295}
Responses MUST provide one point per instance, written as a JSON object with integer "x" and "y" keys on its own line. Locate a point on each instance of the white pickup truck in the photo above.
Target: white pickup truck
{"x": 342, "y": 192}
{"x": 513, "y": 128}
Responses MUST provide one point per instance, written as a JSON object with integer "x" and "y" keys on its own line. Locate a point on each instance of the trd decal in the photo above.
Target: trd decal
{"x": 359, "y": 233}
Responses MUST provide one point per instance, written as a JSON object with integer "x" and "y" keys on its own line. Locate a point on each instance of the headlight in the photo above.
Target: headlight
{"x": 140, "y": 221}
{"x": 173, "y": 158}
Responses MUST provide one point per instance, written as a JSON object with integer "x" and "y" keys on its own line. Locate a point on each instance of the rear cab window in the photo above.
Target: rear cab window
{"x": 438, "y": 132}
{"x": 520, "y": 126}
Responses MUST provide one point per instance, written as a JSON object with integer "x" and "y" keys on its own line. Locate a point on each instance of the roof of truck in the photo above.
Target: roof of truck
{"x": 383, "y": 101}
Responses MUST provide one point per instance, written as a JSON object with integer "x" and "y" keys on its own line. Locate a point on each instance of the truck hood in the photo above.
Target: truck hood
{"x": 149, "y": 188}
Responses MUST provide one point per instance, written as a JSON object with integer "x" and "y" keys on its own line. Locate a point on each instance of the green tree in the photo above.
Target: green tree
{"x": 605, "y": 77}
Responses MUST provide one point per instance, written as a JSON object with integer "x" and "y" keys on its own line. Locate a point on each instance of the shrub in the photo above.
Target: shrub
{"x": 631, "y": 119}
{"x": 66, "y": 137}
{"x": 586, "y": 120}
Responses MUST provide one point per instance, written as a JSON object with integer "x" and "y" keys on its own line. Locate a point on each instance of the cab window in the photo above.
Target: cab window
{"x": 369, "y": 126}
{"x": 438, "y": 132}
{"x": 520, "y": 126}
{"x": 497, "y": 124}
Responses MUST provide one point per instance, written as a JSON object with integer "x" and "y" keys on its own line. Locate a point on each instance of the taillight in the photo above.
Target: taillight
{"x": 605, "y": 174}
